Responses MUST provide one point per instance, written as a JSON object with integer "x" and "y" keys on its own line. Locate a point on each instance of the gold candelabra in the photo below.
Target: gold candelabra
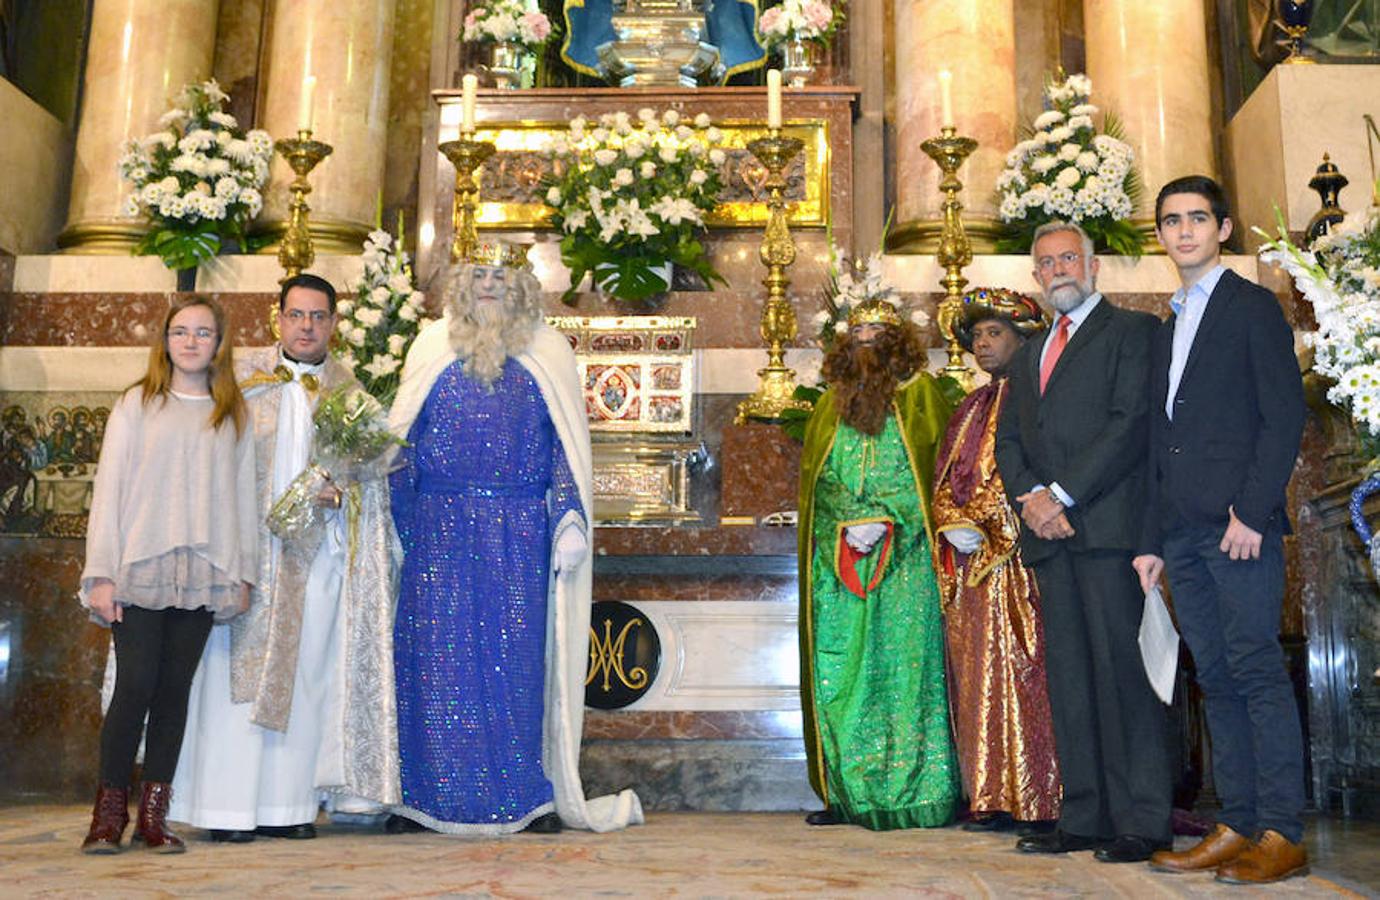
{"x": 775, "y": 383}
{"x": 949, "y": 150}
{"x": 296, "y": 252}
{"x": 467, "y": 155}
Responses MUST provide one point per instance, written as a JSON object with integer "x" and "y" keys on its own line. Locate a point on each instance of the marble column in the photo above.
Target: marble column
{"x": 348, "y": 48}
{"x": 1149, "y": 67}
{"x": 975, "y": 40}
{"x": 140, "y": 54}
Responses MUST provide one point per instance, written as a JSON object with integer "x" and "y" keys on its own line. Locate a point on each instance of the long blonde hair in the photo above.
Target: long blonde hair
{"x": 157, "y": 381}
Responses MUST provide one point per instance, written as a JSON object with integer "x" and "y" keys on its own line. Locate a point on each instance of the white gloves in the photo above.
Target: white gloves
{"x": 965, "y": 540}
{"x": 863, "y": 538}
{"x": 571, "y": 548}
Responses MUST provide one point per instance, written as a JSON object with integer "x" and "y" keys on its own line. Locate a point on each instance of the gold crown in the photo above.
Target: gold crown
{"x": 498, "y": 253}
{"x": 874, "y": 312}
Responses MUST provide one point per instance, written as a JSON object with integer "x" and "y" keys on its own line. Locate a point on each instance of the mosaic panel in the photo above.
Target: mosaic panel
{"x": 49, "y": 444}
{"x": 637, "y": 371}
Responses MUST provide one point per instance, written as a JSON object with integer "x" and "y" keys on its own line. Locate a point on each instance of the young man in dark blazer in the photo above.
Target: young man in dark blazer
{"x": 1071, "y": 451}
{"x": 1227, "y": 415}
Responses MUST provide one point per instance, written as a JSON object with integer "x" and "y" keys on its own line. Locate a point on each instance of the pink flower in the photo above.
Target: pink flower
{"x": 471, "y": 19}
{"x": 770, "y": 21}
{"x": 819, "y": 15}
{"x": 537, "y": 25}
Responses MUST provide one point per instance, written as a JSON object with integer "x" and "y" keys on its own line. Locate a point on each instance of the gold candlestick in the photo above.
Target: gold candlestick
{"x": 467, "y": 155}
{"x": 949, "y": 151}
{"x": 775, "y": 383}
{"x": 296, "y": 253}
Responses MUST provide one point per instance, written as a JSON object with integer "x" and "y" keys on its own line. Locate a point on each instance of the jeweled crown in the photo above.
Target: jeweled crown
{"x": 876, "y": 311}
{"x": 499, "y": 253}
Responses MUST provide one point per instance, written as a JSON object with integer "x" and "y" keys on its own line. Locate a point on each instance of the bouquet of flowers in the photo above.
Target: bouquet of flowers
{"x": 351, "y": 436}
{"x": 800, "y": 20}
{"x": 630, "y": 196}
{"x": 513, "y": 21}
{"x": 1340, "y": 277}
{"x": 853, "y": 282}
{"x": 199, "y": 181}
{"x": 1065, "y": 170}
{"x": 380, "y": 323}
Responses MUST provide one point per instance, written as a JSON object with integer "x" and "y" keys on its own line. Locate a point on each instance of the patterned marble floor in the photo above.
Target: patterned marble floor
{"x": 677, "y": 854}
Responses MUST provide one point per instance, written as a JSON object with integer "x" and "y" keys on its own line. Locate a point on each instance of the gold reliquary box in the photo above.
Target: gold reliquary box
{"x": 638, "y": 374}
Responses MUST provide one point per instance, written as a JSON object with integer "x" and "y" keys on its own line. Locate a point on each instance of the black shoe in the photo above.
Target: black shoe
{"x": 1128, "y": 848}
{"x": 823, "y": 817}
{"x": 997, "y": 821}
{"x": 550, "y": 823}
{"x": 304, "y": 832}
{"x": 1057, "y": 841}
{"x": 1034, "y": 826}
{"x": 231, "y": 836}
{"x": 403, "y": 825}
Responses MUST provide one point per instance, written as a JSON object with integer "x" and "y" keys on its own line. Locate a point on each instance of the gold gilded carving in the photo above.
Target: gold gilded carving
{"x": 606, "y": 658}
{"x": 512, "y": 177}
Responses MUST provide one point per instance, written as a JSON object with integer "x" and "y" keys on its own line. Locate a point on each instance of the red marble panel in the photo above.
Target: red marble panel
{"x": 653, "y": 725}
{"x": 761, "y": 468}
{"x": 710, "y": 540}
{"x": 118, "y": 320}
{"x": 699, "y": 588}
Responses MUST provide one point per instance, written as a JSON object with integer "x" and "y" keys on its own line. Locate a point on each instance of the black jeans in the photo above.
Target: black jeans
{"x": 156, "y": 655}
{"x": 1229, "y": 613}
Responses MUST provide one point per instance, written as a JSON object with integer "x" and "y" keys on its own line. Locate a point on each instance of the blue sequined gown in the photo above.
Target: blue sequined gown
{"x": 483, "y": 485}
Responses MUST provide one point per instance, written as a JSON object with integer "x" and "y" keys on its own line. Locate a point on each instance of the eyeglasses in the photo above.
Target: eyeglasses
{"x": 296, "y": 316}
{"x": 202, "y": 335}
{"x": 1068, "y": 259}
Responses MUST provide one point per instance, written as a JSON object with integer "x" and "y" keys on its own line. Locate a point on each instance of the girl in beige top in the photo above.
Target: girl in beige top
{"x": 170, "y": 547}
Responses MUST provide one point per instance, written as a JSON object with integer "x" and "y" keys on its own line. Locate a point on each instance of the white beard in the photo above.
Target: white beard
{"x": 486, "y": 335}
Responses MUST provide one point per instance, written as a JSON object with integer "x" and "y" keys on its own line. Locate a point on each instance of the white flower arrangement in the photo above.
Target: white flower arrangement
{"x": 1065, "y": 170}
{"x": 1340, "y": 278}
{"x": 513, "y": 21}
{"x": 799, "y": 20}
{"x": 625, "y": 229}
{"x": 198, "y": 181}
{"x": 853, "y": 282}
{"x": 378, "y": 325}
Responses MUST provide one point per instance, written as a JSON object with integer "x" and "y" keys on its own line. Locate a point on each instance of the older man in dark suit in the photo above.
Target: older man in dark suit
{"x": 1071, "y": 450}
{"x": 1226, "y": 420}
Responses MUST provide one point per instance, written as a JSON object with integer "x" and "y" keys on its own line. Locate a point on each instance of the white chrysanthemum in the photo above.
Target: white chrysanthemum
{"x": 606, "y": 157}
{"x": 717, "y": 156}
{"x": 407, "y": 313}
{"x": 1048, "y": 119}
{"x": 344, "y": 308}
{"x": 623, "y": 177}
{"x": 635, "y": 149}
{"x": 553, "y": 196}
{"x": 1088, "y": 161}
{"x": 1060, "y": 134}
{"x": 1043, "y": 164}
{"x": 670, "y": 118}
{"x": 668, "y": 154}
{"x": 1078, "y": 123}
{"x": 1068, "y": 176}
{"x": 1069, "y": 152}
{"x": 1083, "y": 109}
{"x": 397, "y": 343}
{"x": 648, "y": 169}
{"x": 698, "y": 177}
{"x": 368, "y": 316}
{"x": 702, "y": 120}
{"x": 713, "y": 135}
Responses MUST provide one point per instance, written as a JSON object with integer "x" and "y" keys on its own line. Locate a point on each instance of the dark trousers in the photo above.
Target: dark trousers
{"x": 1229, "y": 614}
{"x": 1110, "y": 730}
{"x": 156, "y": 655}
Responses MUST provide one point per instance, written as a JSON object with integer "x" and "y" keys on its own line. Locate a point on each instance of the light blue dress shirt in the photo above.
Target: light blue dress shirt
{"x": 1076, "y": 316}
{"x": 1189, "y": 305}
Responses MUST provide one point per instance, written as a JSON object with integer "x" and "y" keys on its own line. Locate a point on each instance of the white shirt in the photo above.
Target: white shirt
{"x": 1189, "y": 304}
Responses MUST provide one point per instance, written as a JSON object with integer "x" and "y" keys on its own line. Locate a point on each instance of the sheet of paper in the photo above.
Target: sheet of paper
{"x": 1159, "y": 645}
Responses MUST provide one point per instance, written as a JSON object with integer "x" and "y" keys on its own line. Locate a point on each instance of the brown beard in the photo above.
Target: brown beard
{"x": 864, "y": 376}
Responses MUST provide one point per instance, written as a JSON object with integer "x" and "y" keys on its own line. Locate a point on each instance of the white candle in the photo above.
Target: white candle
{"x": 946, "y": 100}
{"x": 304, "y": 106}
{"x": 773, "y": 98}
{"x": 469, "y": 85}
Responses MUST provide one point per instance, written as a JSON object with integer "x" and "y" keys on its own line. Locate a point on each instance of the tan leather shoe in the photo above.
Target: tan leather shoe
{"x": 1221, "y": 845}
{"x": 1271, "y": 857}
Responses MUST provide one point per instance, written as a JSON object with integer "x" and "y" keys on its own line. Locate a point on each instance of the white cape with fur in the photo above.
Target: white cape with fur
{"x": 551, "y": 363}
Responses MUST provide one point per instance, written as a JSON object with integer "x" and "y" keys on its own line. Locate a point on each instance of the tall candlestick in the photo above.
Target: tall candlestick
{"x": 946, "y": 100}
{"x": 773, "y": 98}
{"x": 469, "y": 84}
{"x": 304, "y": 108}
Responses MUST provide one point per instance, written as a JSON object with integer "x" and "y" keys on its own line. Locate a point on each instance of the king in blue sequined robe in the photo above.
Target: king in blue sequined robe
{"x": 481, "y": 488}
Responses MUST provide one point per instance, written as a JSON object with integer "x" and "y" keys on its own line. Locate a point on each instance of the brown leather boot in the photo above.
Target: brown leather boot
{"x": 153, "y": 819}
{"x": 108, "y": 820}
{"x": 1221, "y": 845}
{"x": 1271, "y": 857}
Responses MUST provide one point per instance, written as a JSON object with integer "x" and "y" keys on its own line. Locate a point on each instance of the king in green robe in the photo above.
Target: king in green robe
{"x": 876, "y": 717}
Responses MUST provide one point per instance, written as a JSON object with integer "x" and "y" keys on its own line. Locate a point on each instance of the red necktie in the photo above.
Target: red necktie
{"x": 1056, "y": 347}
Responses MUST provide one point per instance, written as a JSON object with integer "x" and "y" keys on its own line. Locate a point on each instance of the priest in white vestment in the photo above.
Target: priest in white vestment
{"x": 293, "y": 704}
